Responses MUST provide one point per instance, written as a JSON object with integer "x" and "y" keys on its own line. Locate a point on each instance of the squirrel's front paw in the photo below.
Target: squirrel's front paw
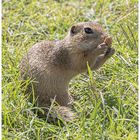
{"x": 101, "y": 49}
{"x": 109, "y": 52}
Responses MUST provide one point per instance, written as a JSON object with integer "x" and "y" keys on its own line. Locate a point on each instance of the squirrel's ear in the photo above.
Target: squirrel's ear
{"x": 74, "y": 30}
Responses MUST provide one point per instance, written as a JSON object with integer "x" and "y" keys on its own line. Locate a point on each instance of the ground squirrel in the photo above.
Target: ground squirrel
{"x": 52, "y": 64}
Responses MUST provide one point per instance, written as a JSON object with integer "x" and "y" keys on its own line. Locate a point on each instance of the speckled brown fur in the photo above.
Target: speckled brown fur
{"x": 52, "y": 64}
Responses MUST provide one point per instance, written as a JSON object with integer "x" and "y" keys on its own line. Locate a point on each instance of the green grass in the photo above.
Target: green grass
{"x": 108, "y": 113}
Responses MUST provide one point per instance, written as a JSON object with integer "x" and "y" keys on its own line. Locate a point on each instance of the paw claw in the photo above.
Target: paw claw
{"x": 110, "y": 52}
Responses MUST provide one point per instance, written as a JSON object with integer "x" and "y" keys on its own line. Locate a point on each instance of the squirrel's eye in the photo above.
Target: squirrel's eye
{"x": 88, "y": 30}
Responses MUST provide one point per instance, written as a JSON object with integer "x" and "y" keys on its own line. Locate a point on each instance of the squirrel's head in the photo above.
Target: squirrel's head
{"x": 86, "y": 35}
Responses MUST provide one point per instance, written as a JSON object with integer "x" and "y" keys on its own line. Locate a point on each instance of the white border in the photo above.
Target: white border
{"x": 0, "y": 69}
{"x": 138, "y": 70}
